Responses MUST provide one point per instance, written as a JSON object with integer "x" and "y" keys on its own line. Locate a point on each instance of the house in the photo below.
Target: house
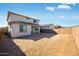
{"x": 20, "y": 25}
{"x": 49, "y": 26}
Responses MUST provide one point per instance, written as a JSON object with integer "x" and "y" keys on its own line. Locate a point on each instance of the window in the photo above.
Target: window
{"x": 27, "y": 18}
{"x": 36, "y": 28}
{"x": 34, "y": 21}
{"x": 23, "y": 28}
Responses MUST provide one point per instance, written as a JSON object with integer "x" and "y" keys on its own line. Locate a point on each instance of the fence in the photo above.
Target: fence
{"x": 63, "y": 30}
{"x": 74, "y": 31}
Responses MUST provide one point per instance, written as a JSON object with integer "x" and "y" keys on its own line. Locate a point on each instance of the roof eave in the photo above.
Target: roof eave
{"x": 19, "y": 15}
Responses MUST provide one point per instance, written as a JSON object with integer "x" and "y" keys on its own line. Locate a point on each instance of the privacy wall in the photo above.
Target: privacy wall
{"x": 74, "y": 31}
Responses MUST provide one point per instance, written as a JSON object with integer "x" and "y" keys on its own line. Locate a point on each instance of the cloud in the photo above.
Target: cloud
{"x": 75, "y": 17}
{"x": 62, "y": 16}
{"x": 64, "y": 7}
{"x": 34, "y": 16}
{"x": 73, "y": 4}
{"x": 50, "y": 8}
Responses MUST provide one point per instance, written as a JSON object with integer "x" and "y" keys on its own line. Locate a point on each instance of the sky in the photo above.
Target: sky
{"x": 64, "y": 14}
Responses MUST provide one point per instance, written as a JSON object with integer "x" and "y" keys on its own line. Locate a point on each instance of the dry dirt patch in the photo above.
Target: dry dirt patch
{"x": 60, "y": 44}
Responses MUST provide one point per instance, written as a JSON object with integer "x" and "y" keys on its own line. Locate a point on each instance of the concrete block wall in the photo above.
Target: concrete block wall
{"x": 63, "y": 30}
{"x": 75, "y": 31}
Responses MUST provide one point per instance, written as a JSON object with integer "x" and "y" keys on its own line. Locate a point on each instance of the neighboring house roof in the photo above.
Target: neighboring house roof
{"x": 20, "y": 15}
{"x": 48, "y": 25}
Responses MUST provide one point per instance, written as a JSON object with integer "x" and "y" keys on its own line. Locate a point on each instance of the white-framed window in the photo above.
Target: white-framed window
{"x": 23, "y": 28}
{"x": 35, "y": 21}
{"x": 36, "y": 29}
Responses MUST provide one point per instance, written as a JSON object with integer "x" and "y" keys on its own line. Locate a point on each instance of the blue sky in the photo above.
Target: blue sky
{"x": 64, "y": 14}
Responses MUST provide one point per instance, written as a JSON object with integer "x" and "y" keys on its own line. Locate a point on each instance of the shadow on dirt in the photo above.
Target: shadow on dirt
{"x": 9, "y": 48}
{"x": 36, "y": 36}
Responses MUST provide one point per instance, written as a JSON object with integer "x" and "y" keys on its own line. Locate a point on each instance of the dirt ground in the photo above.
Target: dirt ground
{"x": 9, "y": 48}
{"x": 47, "y": 44}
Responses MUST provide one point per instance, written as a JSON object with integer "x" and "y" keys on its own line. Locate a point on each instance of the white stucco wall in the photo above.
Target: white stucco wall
{"x": 19, "y": 18}
{"x": 15, "y": 30}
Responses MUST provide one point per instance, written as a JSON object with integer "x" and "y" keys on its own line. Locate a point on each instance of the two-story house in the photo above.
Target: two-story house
{"x": 20, "y": 25}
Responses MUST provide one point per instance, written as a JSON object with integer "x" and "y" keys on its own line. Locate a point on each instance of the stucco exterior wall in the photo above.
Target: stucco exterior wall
{"x": 15, "y": 30}
{"x": 14, "y": 27}
{"x": 13, "y": 17}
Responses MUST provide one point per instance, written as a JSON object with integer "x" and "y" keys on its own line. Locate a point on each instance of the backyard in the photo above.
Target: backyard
{"x": 43, "y": 44}
{"x": 48, "y": 45}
